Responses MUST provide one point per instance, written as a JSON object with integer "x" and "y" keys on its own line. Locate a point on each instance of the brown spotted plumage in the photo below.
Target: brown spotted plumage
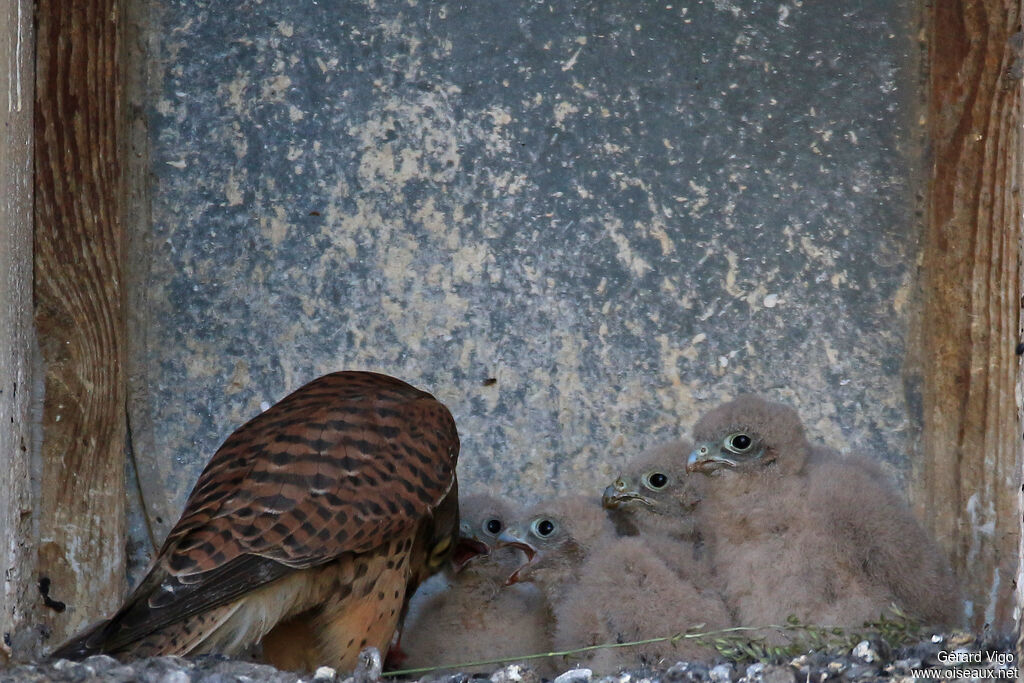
{"x": 308, "y": 530}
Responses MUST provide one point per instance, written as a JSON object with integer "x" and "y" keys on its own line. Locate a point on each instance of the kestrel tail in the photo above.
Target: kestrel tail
{"x": 308, "y": 529}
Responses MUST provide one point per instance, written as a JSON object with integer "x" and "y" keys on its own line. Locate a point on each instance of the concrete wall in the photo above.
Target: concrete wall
{"x": 578, "y": 224}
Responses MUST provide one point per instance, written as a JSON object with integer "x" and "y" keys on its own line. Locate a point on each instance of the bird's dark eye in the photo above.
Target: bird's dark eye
{"x": 543, "y": 527}
{"x": 656, "y": 480}
{"x": 493, "y": 526}
{"x": 739, "y": 442}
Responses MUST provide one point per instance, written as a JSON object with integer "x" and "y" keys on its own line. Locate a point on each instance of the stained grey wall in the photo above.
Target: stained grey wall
{"x": 621, "y": 211}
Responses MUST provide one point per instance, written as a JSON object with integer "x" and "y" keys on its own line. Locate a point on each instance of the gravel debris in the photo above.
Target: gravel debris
{"x": 868, "y": 661}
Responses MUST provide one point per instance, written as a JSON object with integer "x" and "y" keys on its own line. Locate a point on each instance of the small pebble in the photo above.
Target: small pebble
{"x": 836, "y": 667}
{"x": 864, "y": 651}
{"x": 325, "y": 673}
{"x": 369, "y": 665}
{"x": 575, "y": 676}
{"x": 859, "y": 672}
{"x": 100, "y": 663}
{"x": 65, "y": 665}
{"x": 515, "y": 673}
{"x": 722, "y": 673}
{"x": 686, "y": 672}
{"x": 905, "y": 665}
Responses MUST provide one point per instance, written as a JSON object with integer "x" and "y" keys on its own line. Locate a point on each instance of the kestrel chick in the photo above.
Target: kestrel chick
{"x": 605, "y": 589}
{"x": 308, "y": 529}
{"x": 654, "y": 495}
{"x": 798, "y": 529}
{"x": 658, "y": 498}
{"x": 476, "y": 617}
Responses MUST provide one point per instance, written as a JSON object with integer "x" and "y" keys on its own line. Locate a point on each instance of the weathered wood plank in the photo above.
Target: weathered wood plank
{"x": 968, "y": 477}
{"x": 17, "y": 498}
{"x": 80, "y": 315}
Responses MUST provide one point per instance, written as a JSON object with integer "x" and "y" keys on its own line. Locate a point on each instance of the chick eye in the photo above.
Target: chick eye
{"x": 655, "y": 480}
{"x": 737, "y": 443}
{"x": 493, "y": 526}
{"x": 543, "y": 527}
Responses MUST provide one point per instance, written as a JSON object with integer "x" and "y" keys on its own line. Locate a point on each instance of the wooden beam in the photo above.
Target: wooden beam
{"x": 80, "y": 317}
{"x": 17, "y": 497}
{"x": 969, "y": 475}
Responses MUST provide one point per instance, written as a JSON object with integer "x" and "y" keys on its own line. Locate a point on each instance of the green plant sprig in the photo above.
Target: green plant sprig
{"x": 737, "y": 645}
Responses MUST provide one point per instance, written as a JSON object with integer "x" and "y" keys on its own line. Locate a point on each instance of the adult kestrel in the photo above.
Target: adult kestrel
{"x": 309, "y": 529}
{"x": 795, "y": 528}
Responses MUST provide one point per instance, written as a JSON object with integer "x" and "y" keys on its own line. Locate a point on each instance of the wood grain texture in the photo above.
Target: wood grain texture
{"x": 968, "y": 478}
{"x": 79, "y": 311}
{"x": 17, "y": 498}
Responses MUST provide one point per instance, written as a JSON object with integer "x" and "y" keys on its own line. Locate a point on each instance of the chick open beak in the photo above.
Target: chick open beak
{"x": 508, "y": 540}
{"x": 466, "y": 550}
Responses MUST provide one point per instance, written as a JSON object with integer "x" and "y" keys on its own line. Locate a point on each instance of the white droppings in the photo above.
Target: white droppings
{"x": 14, "y": 84}
{"x": 993, "y": 598}
{"x": 571, "y": 62}
{"x": 702, "y": 198}
{"x": 783, "y": 15}
{"x": 624, "y": 250}
{"x": 563, "y": 109}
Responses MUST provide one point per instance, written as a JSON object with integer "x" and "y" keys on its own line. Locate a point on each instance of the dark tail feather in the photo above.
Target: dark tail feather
{"x": 88, "y": 642}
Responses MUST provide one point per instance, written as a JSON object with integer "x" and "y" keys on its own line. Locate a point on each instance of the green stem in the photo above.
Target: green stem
{"x": 580, "y": 650}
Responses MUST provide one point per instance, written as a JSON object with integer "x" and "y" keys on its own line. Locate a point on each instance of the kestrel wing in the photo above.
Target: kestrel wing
{"x": 162, "y": 599}
{"x": 341, "y": 465}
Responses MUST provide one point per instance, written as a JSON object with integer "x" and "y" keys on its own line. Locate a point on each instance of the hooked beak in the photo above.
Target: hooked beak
{"x": 616, "y": 495}
{"x": 507, "y": 540}
{"x": 706, "y": 460}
